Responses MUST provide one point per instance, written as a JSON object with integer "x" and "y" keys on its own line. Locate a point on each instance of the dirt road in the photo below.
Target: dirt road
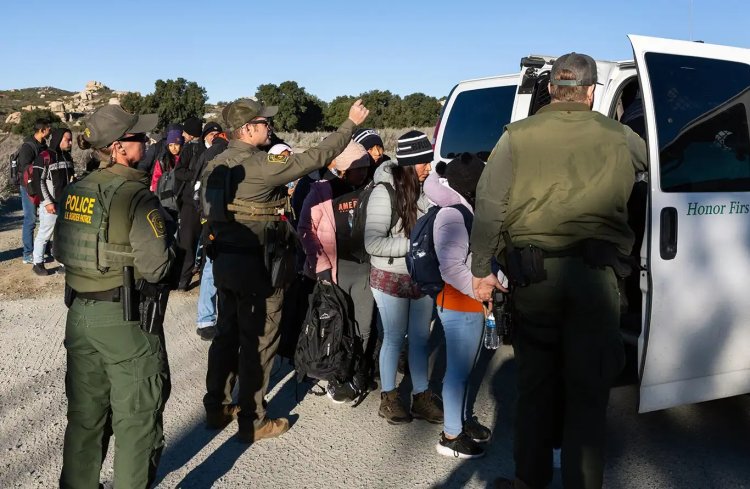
{"x": 328, "y": 446}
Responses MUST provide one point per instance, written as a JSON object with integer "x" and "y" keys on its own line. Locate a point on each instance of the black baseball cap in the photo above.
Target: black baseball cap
{"x": 582, "y": 66}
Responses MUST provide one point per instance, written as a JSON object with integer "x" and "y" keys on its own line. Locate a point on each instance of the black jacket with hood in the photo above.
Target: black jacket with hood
{"x": 53, "y": 169}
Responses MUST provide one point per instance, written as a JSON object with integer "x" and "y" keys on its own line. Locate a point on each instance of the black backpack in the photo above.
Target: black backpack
{"x": 421, "y": 260}
{"x": 327, "y": 348}
{"x": 16, "y": 173}
{"x": 360, "y": 218}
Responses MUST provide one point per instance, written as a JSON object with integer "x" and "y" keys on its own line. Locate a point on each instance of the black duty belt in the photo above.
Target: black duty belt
{"x": 575, "y": 250}
{"x": 111, "y": 295}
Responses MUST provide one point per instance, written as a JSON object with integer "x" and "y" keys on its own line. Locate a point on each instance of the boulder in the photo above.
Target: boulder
{"x": 13, "y": 118}
{"x": 57, "y": 106}
{"x": 93, "y": 86}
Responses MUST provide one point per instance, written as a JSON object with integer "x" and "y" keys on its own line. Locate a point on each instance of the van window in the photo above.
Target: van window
{"x": 701, "y": 108}
{"x": 476, "y": 121}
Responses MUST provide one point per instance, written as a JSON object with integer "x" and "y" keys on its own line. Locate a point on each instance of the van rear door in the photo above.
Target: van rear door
{"x": 474, "y": 116}
{"x": 695, "y": 344}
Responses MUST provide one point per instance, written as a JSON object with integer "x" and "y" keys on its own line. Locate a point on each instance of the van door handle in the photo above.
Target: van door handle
{"x": 668, "y": 233}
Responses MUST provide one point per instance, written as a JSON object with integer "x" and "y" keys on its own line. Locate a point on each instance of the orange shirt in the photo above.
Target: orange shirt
{"x": 451, "y": 298}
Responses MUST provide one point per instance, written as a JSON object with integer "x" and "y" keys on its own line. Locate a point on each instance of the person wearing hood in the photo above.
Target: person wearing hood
{"x": 54, "y": 170}
{"x": 325, "y": 231}
{"x": 402, "y": 307}
{"x": 461, "y": 314}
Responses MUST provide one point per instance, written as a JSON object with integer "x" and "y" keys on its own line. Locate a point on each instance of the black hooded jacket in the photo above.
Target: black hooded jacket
{"x": 53, "y": 169}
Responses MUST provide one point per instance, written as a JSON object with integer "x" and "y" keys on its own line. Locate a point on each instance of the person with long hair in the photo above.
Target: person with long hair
{"x": 403, "y": 308}
{"x": 169, "y": 158}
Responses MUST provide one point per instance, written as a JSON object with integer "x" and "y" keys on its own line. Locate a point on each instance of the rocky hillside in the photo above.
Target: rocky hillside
{"x": 69, "y": 106}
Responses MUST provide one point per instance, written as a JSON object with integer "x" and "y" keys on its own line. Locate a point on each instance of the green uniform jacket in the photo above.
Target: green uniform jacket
{"x": 259, "y": 177}
{"x": 136, "y": 219}
{"x": 554, "y": 179}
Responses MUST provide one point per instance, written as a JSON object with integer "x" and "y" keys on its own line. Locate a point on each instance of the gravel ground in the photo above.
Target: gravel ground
{"x": 329, "y": 446}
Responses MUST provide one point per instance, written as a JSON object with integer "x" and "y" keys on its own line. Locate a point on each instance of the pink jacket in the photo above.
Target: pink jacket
{"x": 317, "y": 230}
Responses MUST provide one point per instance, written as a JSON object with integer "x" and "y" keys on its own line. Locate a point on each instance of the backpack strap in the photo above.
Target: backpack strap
{"x": 467, "y": 215}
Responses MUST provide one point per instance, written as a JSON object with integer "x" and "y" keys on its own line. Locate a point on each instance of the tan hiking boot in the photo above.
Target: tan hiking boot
{"x": 426, "y": 406}
{"x": 218, "y": 419}
{"x": 392, "y": 409}
{"x": 271, "y": 428}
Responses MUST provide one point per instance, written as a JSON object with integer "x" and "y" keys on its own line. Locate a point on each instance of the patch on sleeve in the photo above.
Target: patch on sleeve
{"x": 157, "y": 223}
{"x": 277, "y": 158}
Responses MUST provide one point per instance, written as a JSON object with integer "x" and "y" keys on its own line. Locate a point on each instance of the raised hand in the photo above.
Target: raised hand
{"x": 358, "y": 112}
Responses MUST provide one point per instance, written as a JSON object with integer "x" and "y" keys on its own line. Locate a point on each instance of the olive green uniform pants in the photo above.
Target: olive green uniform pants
{"x": 569, "y": 351}
{"x": 116, "y": 374}
{"x": 248, "y": 338}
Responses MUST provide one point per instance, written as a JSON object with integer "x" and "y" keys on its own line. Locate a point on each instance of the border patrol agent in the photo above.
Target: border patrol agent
{"x": 552, "y": 206}
{"x": 253, "y": 247}
{"x": 117, "y": 374}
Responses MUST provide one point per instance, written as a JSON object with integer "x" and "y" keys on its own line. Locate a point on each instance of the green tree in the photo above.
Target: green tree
{"x": 132, "y": 102}
{"x": 26, "y": 126}
{"x": 420, "y": 110}
{"x": 337, "y": 111}
{"x": 175, "y": 101}
{"x": 298, "y": 110}
{"x": 384, "y": 108}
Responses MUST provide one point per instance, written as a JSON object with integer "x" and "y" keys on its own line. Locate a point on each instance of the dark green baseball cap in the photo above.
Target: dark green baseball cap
{"x": 109, "y": 123}
{"x": 582, "y": 66}
{"x": 243, "y": 111}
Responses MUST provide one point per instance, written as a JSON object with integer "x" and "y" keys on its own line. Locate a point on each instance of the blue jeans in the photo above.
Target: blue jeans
{"x": 207, "y": 296}
{"x": 463, "y": 342}
{"x": 401, "y": 316}
{"x": 43, "y": 235}
{"x": 29, "y": 223}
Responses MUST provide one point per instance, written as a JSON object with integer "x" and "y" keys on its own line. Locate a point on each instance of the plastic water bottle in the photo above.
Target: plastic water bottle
{"x": 491, "y": 339}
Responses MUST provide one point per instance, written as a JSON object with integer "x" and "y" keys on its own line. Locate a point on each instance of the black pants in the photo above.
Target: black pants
{"x": 249, "y": 313}
{"x": 569, "y": 351}
{"x": 187, "y": 241}
{"x": 354, "y": 279}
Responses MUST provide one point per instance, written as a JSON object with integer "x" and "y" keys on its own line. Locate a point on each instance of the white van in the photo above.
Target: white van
{"x": 688, "y": 314}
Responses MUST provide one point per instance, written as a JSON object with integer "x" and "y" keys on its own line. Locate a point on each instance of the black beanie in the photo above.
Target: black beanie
{"x": 413, "y": 148}
{"x": 463, "y": 174}
{"x": 367, "y": 138}
{"x": 193, "y": 126}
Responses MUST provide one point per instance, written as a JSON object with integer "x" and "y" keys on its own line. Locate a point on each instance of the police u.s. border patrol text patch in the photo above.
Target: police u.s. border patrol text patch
{"x": 277, "y": 158}
{"x": 157, "y": 223}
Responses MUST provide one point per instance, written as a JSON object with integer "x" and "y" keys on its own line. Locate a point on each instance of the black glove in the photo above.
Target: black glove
{"x": 325, "y": 275}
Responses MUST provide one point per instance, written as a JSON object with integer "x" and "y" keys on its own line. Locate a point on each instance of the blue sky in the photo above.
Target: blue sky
{"x": 330, "y": 47}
